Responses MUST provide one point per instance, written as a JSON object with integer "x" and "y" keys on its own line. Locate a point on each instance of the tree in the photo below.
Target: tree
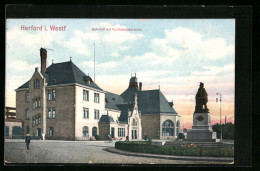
{"x": 227, "y": 130}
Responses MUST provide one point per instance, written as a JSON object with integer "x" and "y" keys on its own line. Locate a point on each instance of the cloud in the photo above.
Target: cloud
{"x": 19, "y": 42}
{"x": 77, "y": 45}
{"x": 182, "y": 37}
{"x": 111, "y": 41}
{"x": 20, "y": 65}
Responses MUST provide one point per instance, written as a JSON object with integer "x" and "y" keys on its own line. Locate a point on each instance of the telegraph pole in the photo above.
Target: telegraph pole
{"x": 220, "y": 99}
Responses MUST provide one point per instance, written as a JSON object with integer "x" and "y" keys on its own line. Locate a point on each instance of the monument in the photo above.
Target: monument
{"x": 201, "y": 130}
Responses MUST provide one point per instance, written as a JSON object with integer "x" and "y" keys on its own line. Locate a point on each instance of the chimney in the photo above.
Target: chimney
{"x": 140, "y": 86}
{"x": 43, "y": 54}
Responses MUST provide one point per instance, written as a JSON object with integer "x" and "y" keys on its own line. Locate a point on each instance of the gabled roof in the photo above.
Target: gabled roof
{"x": 149, "y": 101}
{"x": 129, "y": 94}
{"x": 106, "y": 119}
{"x": 153, "y": 102}
{"x": 25, "y": 85}
{"x": 112, "y": 100}
{"x": 65, "y": 73}
{"x": 124, "y": 111}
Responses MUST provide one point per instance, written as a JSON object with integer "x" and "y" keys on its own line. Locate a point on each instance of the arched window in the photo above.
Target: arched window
{"x": 178, "y": 128}
{"x": 94, "y": 131}
{"x": 85, "y": 131}
{"x": 134, "y": 123}
{"x": 168, "y": 128}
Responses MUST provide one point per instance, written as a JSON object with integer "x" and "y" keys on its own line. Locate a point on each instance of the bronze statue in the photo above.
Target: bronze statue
{"x": 201, "y": 100}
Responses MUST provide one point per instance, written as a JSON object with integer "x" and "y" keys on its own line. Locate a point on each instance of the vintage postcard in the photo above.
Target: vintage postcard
{"x": 120, "y": 91}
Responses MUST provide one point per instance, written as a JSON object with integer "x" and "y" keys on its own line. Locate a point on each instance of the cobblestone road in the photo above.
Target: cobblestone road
{"x": 77, "y": 152}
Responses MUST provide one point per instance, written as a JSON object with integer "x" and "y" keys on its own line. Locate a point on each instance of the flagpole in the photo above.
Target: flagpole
{"x": 94, "y": 62}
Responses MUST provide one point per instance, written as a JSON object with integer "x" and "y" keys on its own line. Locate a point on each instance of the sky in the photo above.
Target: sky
{"x": 173, "y": 54}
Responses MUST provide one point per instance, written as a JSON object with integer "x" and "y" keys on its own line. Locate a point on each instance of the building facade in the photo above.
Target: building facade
{"x": 61, "y": 102}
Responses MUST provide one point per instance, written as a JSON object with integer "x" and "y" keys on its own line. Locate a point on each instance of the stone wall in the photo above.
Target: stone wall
{"x": 21, "y": 106}
{"x": 151, "y": 126}
{"x": 64, "y": 122}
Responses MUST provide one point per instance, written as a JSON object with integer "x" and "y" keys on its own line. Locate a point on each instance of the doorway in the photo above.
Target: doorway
{"x": 39, "y": 132}
{"x": 112, "y": 132}
{"x": 134, "y": 134}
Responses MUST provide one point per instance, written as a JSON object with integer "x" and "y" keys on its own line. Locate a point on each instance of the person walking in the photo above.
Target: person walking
{"x": 27, "y": 141}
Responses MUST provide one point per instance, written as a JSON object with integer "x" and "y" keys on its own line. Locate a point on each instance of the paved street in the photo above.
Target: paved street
{"x": 51, "y": 151}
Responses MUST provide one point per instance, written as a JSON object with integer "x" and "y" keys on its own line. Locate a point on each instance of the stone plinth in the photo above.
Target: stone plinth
{"x": 201, "y": 129}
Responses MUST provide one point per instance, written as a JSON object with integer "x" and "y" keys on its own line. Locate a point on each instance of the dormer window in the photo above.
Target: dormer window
{"x": 36, "y": 83}
{"x": 87, "y": 79}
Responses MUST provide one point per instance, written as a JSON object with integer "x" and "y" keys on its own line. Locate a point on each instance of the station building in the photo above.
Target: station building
{"x": 63, "y": 103}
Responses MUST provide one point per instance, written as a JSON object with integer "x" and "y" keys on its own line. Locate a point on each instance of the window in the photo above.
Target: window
{"x": 33, "y": 121}
{"x": 39, "y": 118}
{"x": 27, "y": 96}
{"x": 85, "y": 112}
{"x": 121, "y": 132}
{"x": 134, "y": 123}
{"x": 36, "y": 102}
{"x": 85, "y": 131}
{"x": 96, "y": 114}
{"x": 33, "y": 104}
{"x": 53, "y": 94}
{"x": 39, "y": 102}
{"x": 27, "y": 113}
{"x": 94, "y": 131}
{"x": 168, "y": 128}
{"x": 85, "y": 95}
{"x": 36, "y": 83}
{"x": 51, "y": 112}
{"x": 51, "y": 131}
{"x": 178, "y": 128}
{"x": 7, "y": 131}
{"x": 36, "y": 120}
{"x": 27, "y": 130}
{"x": 49, "y": 94}
{"x": 96, "y": 97}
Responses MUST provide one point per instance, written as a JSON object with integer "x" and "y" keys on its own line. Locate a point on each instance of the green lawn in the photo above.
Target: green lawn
{"x": 146, "y": 147}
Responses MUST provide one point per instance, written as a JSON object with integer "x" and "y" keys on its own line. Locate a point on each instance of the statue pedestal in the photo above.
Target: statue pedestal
{"x": 201, "y": 129}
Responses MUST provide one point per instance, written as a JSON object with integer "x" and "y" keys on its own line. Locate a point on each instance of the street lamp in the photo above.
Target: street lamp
{"x": 220, "y": 99}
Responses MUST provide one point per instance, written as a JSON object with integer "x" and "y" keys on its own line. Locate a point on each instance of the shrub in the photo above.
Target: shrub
{"x": 190, "y": 150}
{"x": 98, "y": 137}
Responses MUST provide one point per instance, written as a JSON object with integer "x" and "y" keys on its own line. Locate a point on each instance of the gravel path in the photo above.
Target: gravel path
{"x": 77, "y": 152}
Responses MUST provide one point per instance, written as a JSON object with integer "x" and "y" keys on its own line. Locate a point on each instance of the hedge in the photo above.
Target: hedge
{"x": 146, "y": 147}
